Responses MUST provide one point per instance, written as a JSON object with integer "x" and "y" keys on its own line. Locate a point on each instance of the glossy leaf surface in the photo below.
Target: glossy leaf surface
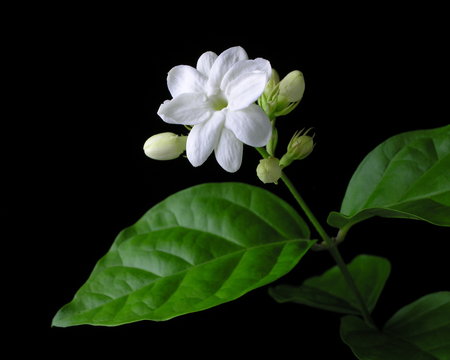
{"x": 419, "y": 331}
{"x": 407, "y": 176}
{"x": 425, "y": 323}
{"x": 199, "y": 248}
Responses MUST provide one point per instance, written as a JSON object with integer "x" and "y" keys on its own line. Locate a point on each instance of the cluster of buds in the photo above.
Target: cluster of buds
{"x": 301, "y": 145}
{"x": 281, "y": 97}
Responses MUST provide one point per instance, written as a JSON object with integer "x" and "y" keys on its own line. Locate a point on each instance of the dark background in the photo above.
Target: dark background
{"x": 94, "y": 81}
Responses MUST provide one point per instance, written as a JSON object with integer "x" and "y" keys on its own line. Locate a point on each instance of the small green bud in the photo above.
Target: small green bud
{"x": 269, "y": 170}
{"x": 291, "y": 90}
{"x": 165, "y": 146}
{"x": 269, "y": 98}
{"x": 281, "y": 97}
{"x": 292, "y": 86}
{"x": 298, "y": 148}
{"x": 273, "y": 81}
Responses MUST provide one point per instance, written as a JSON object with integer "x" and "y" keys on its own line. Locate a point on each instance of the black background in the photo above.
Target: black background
{"x": 93, "y": 80}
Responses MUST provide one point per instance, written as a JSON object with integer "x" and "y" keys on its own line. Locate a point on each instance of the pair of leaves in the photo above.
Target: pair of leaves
{"x": 407, "y": 176}
{"x": 419, "y": 331}
{"x": 199, "y": 248}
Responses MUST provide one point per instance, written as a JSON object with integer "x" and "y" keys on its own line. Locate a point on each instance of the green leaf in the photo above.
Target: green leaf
{"x": 370, "y": 344}
{"x": 407, "y": 176}
{"x": 199, "y": 248}
{"x": 425, "y": 323}
{"x": 420, "y": 330}
{"x": 330, "y": 291}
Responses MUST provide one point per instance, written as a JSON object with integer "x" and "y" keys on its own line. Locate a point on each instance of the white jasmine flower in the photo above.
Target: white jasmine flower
{"x": 218, "y": 99}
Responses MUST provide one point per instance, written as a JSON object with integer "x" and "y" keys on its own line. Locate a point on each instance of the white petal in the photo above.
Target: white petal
{"x": 246, "y": 89}
{"x": 222, "y": 64}
{"x": 203, "y": 138}
{"x": 205, "y": 62}
{"x": 250, "y": 125}
{"x": 185, "y": 79}
{"x": 229, "y": 151}
{"x": 186, "y": 109}
{"x": 246, "y": 66}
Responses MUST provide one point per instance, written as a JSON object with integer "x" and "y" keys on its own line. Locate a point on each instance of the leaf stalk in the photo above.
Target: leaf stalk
{"x": 331, "y": 245}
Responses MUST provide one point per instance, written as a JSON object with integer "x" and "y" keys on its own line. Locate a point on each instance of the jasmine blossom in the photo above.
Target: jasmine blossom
{"x": 218, "y": 99}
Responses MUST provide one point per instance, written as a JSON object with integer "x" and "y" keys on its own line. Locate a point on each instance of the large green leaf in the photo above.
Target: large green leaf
{"x": 330, "y": 291}
{"x": 419, "y": 331}
{"x": 407, "y": 176}
{"x": 199, "y": 248}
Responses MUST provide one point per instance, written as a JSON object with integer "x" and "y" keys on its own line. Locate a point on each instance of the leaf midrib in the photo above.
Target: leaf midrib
{"x": 390, "y": 337}
{"x": 234, "y": 253}
{"x": 408, "y": 319}
{"x": 301, "y": 226}
{"x": 393, "y": 161}
{"x": 390, "y": 207}
{"x": 409, "y": 342}
{"x": 339, "y": 300}
{"x": 413, "y": 337}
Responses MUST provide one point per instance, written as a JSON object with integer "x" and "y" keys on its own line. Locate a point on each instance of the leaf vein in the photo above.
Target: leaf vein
{"x": 184, "y": 271}
{"x": 250, "y": 210}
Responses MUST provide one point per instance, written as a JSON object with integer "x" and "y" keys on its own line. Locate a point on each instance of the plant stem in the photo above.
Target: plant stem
{"x": 330, "y": 244}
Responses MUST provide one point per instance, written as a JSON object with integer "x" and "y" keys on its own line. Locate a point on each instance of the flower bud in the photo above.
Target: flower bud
{"x": 268, "y": 99}
{"x": 292, "y": 86}
{"x": 273, "y": 81}
{"x": 281, "y": 97}
{"x": 165, "y": 146}
{"x": 298, "y": 148}
{"x": 290, "y": 92}
{"x": 268, "y": 170}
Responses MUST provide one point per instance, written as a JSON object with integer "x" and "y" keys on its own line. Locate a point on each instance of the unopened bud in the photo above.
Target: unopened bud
{"x": 269, "y": 170}
{"x": 292, "y": 86}
{"x": 273, "y": 81}
{"x": 298, "y": 148}
{"x": 269, "y": 98}
{"x": 165, "y": 146}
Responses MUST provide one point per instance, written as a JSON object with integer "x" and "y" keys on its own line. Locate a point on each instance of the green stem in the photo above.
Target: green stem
{"x": 330, "y": 244}
{"x": 323, "y": 234}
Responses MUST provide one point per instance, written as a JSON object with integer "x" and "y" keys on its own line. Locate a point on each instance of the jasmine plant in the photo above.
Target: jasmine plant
{"x": 214, "y": 242}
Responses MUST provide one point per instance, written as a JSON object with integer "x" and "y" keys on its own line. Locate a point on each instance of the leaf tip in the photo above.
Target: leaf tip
{"x": 60, "y": 319}
{"x": 56, "y": 321}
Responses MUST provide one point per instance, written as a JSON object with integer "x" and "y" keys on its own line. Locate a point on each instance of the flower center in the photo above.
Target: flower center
{"x": 219, "y": 102}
